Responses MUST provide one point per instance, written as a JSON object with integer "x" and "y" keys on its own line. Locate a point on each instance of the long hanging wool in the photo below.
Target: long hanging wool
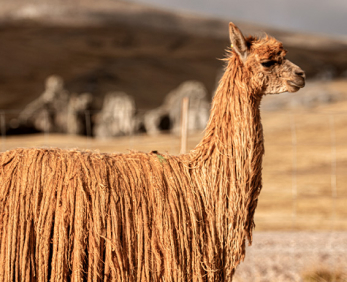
{"x": 83, "y": 216}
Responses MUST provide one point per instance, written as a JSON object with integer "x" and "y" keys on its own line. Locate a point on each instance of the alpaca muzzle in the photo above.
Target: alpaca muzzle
{"x": 300, "y": 78}
{"x": 297, "y": 81}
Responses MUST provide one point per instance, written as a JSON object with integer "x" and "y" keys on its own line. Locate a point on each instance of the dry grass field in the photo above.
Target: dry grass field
{"x": 305, "y": 164}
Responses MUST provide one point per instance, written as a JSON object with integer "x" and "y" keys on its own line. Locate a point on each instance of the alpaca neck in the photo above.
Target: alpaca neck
{"x": 235, "y": 116}
{"x": 230, "y": 154}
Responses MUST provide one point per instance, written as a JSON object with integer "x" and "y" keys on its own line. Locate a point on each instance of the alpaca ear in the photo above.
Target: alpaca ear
{"x": 237, "y": 41}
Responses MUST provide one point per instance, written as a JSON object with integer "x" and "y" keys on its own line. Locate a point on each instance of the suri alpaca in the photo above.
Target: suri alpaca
{"x": 84, "y": 216}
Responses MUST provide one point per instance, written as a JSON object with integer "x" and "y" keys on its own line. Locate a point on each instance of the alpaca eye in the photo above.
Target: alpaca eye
{"x": 268, "y": 64}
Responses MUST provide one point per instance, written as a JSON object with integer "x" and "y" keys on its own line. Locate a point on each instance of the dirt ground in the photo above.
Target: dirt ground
{"x": 295, "y": 257}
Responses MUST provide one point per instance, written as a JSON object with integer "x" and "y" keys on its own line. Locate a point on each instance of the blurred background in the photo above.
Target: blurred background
{"x": 110, "y": 75}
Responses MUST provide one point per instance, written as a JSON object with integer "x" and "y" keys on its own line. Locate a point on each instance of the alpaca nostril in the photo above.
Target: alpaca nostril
{"x": 300, "y": 72}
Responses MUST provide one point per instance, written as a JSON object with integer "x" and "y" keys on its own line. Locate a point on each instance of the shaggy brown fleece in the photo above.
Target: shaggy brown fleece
{"x": 132, "y": 217}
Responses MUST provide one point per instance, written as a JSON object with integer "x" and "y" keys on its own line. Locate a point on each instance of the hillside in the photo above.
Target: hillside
{"x": 116, "y": 45}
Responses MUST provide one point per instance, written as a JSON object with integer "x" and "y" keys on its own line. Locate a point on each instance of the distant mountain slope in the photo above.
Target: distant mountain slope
{"x": 116, "y": 45}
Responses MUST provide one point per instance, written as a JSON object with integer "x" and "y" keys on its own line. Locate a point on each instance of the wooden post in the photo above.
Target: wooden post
{"x": 184, "y": 124}
{"x": 3, "y": 130}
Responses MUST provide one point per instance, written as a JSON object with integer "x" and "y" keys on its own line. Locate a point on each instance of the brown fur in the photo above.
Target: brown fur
{"x": 73, "y": 215}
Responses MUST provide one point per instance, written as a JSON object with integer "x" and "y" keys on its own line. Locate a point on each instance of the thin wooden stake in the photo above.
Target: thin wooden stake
{"x": 184, "y": 124}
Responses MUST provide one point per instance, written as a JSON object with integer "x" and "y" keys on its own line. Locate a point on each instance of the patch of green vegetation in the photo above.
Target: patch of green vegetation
{"x": 161, "y": 158}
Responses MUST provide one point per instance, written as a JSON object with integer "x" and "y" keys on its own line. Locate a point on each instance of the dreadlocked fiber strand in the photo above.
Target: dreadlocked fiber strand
{"x": 83, "y": 216}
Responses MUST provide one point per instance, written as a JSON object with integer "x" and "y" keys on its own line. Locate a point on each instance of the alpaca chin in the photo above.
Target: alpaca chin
{"x": 294, "y": 86}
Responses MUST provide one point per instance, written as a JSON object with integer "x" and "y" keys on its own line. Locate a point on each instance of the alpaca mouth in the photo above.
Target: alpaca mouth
{"x": 295, "y": 84}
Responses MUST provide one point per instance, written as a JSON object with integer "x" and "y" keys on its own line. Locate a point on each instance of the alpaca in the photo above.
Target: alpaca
{"x": 78, "y": 215}
{"x": 117, "y": 116}
{"x": 48, "y": 112}
{"x": 198, "y": 112}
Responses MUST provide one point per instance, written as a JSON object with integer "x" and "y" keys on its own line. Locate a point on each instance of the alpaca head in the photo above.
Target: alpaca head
{"x": 265, "y": 62}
